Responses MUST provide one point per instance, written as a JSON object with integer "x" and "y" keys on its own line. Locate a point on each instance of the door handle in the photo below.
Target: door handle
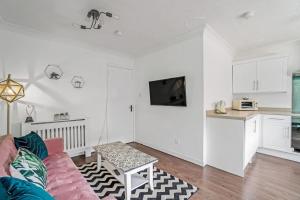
{"x": 131, "y": 108}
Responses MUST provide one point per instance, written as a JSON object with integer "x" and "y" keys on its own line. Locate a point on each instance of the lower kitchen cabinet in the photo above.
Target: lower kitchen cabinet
{"x": 232, "y": 143}
{"x": 276, "y": 132}
{"x": 252, "y": 134}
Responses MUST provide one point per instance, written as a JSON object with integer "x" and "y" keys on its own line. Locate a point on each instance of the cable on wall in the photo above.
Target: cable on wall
{"x": 104, "y": 129}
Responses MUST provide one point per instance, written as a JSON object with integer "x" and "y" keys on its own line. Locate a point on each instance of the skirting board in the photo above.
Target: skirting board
{"x": 87, "y": 152}
{"x": 176, "y": 154}
{"x": 76, "y": 153}
{"x": 288, "y": 156}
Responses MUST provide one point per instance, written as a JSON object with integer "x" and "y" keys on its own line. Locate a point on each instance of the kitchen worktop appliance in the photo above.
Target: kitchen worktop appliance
{"x": 244, "y": 104}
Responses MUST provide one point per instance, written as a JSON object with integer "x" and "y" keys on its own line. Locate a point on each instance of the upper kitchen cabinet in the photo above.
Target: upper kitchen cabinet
{"x": 265, "y": 75}
{"x": 244, "y": 77}
{"x": 272, "y": 75}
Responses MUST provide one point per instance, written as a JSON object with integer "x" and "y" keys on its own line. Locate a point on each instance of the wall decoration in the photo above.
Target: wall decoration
{"x": 77, "y": 82}
{"x": 53, "y": 72}
{"x": 56, "y": 117}
{"x": 29, "y": 110}
{"x": 61, "y": 117}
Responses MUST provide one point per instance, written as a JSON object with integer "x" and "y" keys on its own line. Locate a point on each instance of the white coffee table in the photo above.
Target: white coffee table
{"x": 124, "y": 162}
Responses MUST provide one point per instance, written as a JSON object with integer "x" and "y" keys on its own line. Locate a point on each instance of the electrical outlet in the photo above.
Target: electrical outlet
{"x": 176, "y": 141}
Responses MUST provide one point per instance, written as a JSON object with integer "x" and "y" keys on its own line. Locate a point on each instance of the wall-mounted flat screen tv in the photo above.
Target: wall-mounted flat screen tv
{"x": 168, "y": 92}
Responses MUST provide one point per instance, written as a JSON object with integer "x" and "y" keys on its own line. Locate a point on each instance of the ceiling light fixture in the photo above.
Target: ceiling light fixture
{"x": 247, "y": 15}
{"x": 118, "y": 33}
{"x": 94, "y": 15}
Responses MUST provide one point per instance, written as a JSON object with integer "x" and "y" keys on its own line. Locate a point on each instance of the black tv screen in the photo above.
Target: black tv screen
{"x": 168, "y": 92}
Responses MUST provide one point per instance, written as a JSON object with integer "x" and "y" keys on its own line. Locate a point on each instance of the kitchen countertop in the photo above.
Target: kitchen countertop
{"x": 244, "y": 115}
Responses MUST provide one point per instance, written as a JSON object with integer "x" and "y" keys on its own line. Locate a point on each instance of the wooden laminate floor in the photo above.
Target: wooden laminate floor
{"x": 267, "y": 178}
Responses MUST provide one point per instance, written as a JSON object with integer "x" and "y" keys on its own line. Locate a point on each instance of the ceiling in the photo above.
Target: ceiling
{"x": 146, "y": 24}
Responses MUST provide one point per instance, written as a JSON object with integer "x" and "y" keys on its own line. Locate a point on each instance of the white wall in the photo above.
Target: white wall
{"x": 26, "y": 57}
{"x": 217, "y": 59}
{"x": 161, "y": 126}
{"x": 291, "y": 49}
{"x": 217, "y": 69}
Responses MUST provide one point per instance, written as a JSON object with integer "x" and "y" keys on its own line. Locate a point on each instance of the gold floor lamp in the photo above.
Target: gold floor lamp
{"x": 10, "y": 91}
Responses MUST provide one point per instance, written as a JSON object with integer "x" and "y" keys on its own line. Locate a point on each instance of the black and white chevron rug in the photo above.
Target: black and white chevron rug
{"x": 166, "y": 186}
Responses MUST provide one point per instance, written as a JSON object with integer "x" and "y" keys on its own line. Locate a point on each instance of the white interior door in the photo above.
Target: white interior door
{"x": 120, "y": 105}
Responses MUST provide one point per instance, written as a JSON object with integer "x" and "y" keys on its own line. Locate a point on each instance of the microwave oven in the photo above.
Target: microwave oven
{"x": 244, "y": 105}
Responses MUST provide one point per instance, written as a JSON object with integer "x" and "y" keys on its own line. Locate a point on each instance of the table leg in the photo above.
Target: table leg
{"x": 99, "y": 160}
{"x": 127, "y": 186}
{"x": 150, "y": 177}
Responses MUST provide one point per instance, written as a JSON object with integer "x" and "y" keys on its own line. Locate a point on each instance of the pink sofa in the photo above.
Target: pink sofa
{"x": 64, "y": 181}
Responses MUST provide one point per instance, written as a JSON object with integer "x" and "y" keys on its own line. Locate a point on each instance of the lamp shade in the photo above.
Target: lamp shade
{"x": 11, "y": 90}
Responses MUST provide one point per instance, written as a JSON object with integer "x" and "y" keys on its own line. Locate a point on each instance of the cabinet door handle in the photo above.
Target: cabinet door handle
{"x": 257, "y": 85}
{"x": 286, "y": 132}
{"x": 254, "y": 85}
{"x": 279, "y": 119}
{"x": 289, "y": 137}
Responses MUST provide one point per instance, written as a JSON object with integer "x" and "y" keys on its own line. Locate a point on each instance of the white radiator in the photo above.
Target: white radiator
{"x": 73, "y": 132}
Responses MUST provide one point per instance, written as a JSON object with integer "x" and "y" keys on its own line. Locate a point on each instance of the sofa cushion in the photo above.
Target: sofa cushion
{"x": 54, "y": 145}
{"x": 34, "y": 143}
{"x": 29, "y": 167}
{"x": 8, "y": 153}
{"x": 65, "y": 181}
{"x": 3, "y": 192}
{"x": 18, "y": 189}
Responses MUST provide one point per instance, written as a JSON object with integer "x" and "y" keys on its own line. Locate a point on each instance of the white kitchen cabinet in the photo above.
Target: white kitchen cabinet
{"x": 231, "y": 143}
{"x": 244, "y": 77}
{"x": 263, "y": 75}
{"x": 272, "y": 75}
{"x": 276, "y": 132}
{"x": 252, "y": 133}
